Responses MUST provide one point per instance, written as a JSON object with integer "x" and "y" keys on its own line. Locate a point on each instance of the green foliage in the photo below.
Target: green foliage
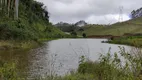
{"x": 16, "y": 31}
{"x": 131, "y": 40}
{"x": 82, "y": 65}
{"x": 79, "y": 77}
{"x": 73, "y": 33}
{"x": 8, "y": 71}
{"x": 33, "y": 23}
{"x": 111, "y": 67}
{"x": 84, "y": 35}
{"x": 108, "y": 67}
{"x": 117, "y": 29}
{"x": 66, "y": 27}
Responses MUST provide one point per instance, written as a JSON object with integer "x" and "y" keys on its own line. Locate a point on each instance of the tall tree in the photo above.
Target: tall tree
{"x": 16, "y": 8}
{"x": 0, "y": 6}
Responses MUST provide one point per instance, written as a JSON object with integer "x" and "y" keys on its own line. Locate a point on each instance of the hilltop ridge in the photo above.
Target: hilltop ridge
{"x": 117, "y": 29}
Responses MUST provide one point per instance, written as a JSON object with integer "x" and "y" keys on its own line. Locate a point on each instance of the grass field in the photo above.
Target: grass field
{"x": 133, "y": 41}
{"x": 117, "y": 29}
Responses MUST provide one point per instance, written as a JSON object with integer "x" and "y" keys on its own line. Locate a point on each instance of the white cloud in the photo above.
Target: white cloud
{"x": 92, "y": 11}
{"x": 106, "y": 19}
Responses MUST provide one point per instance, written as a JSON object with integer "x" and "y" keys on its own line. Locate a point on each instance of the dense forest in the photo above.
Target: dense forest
{"x": 32, "y": 23}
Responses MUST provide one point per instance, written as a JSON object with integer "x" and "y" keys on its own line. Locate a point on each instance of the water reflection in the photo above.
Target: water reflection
{"x": 57, "y": 56}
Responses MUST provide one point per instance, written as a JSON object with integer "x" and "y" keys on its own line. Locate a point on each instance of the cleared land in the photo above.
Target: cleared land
{"x": 117, "y": 29}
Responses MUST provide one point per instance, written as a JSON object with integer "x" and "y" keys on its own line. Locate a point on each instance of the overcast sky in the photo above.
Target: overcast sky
{"x": 92, "y": 11}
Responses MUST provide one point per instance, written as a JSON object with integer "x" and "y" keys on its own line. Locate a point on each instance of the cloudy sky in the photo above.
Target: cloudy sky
{"x": 92, "y": 11}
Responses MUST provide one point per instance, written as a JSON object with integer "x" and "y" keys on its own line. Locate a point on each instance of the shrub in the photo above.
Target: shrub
{"x": 111, "y": 67}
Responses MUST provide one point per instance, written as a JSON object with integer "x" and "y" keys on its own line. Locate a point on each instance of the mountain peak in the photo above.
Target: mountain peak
{"x": 81, "y": 23}
{"x": 137, "y": 13}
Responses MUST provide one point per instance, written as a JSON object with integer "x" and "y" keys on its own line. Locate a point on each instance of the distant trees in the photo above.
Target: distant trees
{"x": 66, "y": 27}
{"x": 84, "y": 35}
{"x": 11, "y": 9}
{"x": 73, "y": 33}
{"x": 81, "y": 29}
{"x": 80, "y": 23}
{"x": 34, "y": 10}
{"x": 136, "y": 13}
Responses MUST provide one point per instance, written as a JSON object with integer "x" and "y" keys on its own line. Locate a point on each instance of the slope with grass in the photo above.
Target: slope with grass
{"x": 117, "y": 29}
{"x": 32, "y": 25}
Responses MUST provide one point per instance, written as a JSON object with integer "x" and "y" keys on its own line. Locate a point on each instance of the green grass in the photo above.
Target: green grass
{"x": 31, "y": 24}
{"x": 29, "y": 29}
{"x": 132, "y": 41}
{"x": 8, "y": 45}
{"x": 117, "y": 29}
{"x": 108, "y": 67}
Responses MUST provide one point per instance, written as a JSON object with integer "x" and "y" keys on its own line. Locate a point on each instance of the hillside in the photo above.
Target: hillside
{"x": 32, "y": 24}
{"x": 117, "y": 29}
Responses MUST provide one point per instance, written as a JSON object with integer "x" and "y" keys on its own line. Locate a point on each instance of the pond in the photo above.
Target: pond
{"x": 58, "y": 56}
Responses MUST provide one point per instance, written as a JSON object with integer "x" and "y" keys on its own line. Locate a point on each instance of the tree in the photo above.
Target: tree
{"x": 16, "y": 8}
{"x": 8, "y": 7}
{"x": 84, "y": 35}
{"x": 73, "y": 33}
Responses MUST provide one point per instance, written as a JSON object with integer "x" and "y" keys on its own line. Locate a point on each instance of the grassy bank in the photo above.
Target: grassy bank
{"x": 108, "y": 67}
{"x": 31, "y": 28}
{"x": 8, "y": 45}
{"x": 132, "y": 41}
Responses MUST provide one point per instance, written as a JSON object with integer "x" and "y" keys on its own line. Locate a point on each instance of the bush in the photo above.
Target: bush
{"x": 84, "y": 35}
{"x": 111, "y": 67}
{"x": 8, "y": 71}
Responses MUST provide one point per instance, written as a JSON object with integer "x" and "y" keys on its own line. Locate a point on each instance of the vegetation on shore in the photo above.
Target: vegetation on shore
{"x": 118, "y": 30}
{"x": 112, "y": 67}
{"x": 108, "y": 67}
{"x": 131, "y": 40}
{"x": 7, "y": 45}
{"x": 32, "y": 26}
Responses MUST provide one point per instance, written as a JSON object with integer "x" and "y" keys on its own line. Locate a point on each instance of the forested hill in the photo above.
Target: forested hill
{"x": 32, "y": 23}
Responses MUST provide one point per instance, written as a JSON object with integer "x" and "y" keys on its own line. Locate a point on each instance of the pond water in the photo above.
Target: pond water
{"x": 58, "y": 56}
